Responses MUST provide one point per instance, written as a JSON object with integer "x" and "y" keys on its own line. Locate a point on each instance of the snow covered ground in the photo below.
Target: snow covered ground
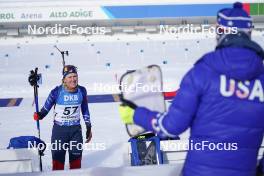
{"x": 168, "y": 170}
{"x": 108, "y": 132}
{"x": 109, "y": 135}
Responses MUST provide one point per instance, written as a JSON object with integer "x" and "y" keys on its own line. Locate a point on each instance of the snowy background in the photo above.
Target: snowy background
{"x": 100, "y": 59}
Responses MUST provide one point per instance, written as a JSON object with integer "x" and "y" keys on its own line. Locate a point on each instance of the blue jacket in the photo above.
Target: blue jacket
{"x": 67, "y": 106}
{"x": 221, "y": 99}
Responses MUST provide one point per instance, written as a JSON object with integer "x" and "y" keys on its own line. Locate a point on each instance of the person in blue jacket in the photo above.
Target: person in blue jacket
{"x": 221, "y": 99}
{"x": 69, "y": 100}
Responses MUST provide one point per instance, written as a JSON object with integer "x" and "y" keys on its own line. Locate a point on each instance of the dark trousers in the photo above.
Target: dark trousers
{"x": 66, "y": 138}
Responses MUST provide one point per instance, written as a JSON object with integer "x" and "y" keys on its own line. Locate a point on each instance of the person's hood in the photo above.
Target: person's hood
{"x": 237, "y": 57}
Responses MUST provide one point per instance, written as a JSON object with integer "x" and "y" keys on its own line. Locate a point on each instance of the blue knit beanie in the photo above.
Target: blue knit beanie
{"x": 235, "y": 17}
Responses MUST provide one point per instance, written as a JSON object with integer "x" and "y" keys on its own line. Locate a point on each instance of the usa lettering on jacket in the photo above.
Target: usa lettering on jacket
{"x": 243, "y": 90}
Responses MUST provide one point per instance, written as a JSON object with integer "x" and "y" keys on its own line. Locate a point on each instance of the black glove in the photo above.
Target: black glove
{"x": 33, "y": 78}
{"x": 127, "y": 103}
{"x": 88, "y": 133}
{"x": 38, "y": 116}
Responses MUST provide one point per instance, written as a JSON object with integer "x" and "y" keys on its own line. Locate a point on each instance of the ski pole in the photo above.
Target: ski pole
{"x": 37, "y": 106}
{"x": 33, "y": 80}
